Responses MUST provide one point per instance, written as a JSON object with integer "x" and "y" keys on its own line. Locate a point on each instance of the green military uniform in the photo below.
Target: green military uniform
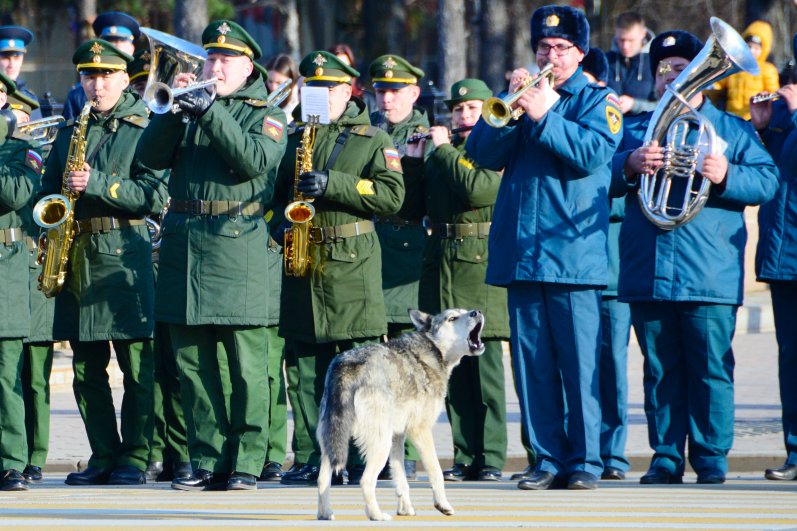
{"x": 460, "y": 198}
{"x": 19, "y": 176}
{"x": 109, "y": 291}
{"x": 213, "y": 281}
{"x": 339, "y": 303}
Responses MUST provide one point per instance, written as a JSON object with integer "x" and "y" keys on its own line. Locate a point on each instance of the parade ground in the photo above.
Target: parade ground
{"x": 746, "y": 501}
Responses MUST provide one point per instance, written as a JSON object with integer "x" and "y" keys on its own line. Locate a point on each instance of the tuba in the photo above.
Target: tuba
{"x": 300, "y": 211}
{"x": 497, "y": 112}
{"x": 55, "y": 213}
{"x": 41, "y": 131}
{"x": 724, "y": 53}
{"x": 170, "y": 56}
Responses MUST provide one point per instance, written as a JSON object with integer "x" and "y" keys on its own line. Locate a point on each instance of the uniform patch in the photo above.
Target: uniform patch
{"x": 268, "y": 215}
{"x": 366, "y": 187}
{"x": 273, "y": 128}
{"x": 614, "y": 118}
{"x": 613, "y": 100}
{"x": 392, "y": 159}
{"x": 465, "y": 163}
{"x": 34, "y": 160}
{"x": 114, "y": 187}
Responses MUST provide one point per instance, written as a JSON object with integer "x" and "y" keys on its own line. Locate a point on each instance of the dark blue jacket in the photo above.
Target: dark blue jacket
{"x": 552, "y": 211}
{"x": 632, "y": 77}
{"x": 776, "y": 255}
{"x": 703, "y": 260}
{"x": 75, "y": 101}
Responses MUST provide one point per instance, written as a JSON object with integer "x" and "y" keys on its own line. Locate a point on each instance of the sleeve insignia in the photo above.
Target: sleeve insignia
{"x": 612, "y": 99}
{"x": 273, "y": 128}
{"x": 33, "y": 160}
{"x": 392, "y": 159}
{"x": 366, "y": 187}
{"x": 614, "y": 118}
{"x": 112, "y": 190}
{"x": 465, "y": 163}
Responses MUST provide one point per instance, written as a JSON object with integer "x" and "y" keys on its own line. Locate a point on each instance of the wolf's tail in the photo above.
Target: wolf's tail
{"x": 336, "y": 418}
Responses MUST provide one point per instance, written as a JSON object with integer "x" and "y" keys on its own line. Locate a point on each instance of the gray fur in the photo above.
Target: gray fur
{"x": 381, "y": 393}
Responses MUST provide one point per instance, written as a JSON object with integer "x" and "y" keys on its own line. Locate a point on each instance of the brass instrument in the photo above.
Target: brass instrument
{"x": 300, "y": 211}
{"x": 765, "y": 97}
{"x": 171, "y": 56}
{"x": 278, "y": 95}
{"x": 497, "y": 112}
{"x": 41, "y": 131}
{"x": 55, "y": 213}
{"x": 725, "y": 53}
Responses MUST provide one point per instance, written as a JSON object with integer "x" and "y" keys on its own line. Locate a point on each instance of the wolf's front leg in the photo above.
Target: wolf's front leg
{"x": 422, "y": 438}
{"x": 400, "y": 477}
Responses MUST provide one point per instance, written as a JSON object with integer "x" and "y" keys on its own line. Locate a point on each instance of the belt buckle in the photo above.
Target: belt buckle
{"x": 317, "y": 234}
{"x": 197, "y": 208}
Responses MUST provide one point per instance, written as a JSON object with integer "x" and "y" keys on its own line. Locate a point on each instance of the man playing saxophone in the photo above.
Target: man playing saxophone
{"x": 338, "y": 304}
{"x": 684, "y": 284}
{"x": 108, "y": 294}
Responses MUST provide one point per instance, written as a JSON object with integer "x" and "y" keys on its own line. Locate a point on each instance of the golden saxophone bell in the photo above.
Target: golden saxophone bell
{"x": 497, "y": 112}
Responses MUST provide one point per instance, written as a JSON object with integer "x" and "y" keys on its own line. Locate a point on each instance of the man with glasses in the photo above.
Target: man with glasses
{"x": 550, "y": 225}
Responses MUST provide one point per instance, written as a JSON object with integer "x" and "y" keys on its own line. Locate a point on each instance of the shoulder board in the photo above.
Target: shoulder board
{"x": 365, "y": 130}
{"x": 138, "y": 121}
{"x": 256, "y": 103}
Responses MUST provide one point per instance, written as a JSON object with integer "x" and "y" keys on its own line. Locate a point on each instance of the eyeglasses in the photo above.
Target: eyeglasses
{"x": 561, "y": 49}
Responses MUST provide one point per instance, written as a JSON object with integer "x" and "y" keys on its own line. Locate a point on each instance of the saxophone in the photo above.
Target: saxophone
{"x": 55, "y": 214}
{"x": 300, "y": 211}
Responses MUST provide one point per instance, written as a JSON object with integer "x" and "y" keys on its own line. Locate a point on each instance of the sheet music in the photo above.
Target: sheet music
{"x": 315, "y": 101}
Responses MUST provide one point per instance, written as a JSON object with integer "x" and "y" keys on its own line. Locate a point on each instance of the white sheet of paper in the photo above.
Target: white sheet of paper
{"x": 315, "y": 101}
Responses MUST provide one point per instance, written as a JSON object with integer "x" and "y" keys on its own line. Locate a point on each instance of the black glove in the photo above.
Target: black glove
{"x": 313, "y": 183}
{"x": 10, "y": 119}
{"x": 195, "y": 103}
{"x": 279, "y": 234}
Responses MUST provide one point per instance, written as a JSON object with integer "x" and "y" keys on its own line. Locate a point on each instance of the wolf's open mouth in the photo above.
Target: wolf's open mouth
{"x": 474, "y": 337}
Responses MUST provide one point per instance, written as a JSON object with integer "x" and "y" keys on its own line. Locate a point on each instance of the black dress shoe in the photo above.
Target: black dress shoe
{"x": 32, "y": 473}
{"x": 127, "y": 475}
{"x": 582, "y": 480}
{"x": 180, "y": 470}
{"x": 610, "y": 472}
{"x": 786, "y": 472}
{"x": 659, "y": 476}
{"x": 525, "y": 474}
{"x": 202, "y": 480}
{"x": 91, "y": 476}
{"x": 355, "y": 473}
{"x": 295, "y": 467}
{"x": 712, "y": 477}
{"x": 272, "y": 471}
{"x": 12, "y": 480}
{"x": 242, "y": 481}
{"x": 537, "y": 481}
{"x": 489, "y": 473}
{"x": 154, "y": 471}
{"x": 458, "y": 472}
{"x": 307, "y": 475}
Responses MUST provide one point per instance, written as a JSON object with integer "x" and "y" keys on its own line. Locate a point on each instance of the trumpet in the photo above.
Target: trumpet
{"x": 765, "y": 97}
{"x": 279, "y": 94}
{"x": 160, "y": 96}
{"x": 498, "y": 112}
{"x": 42, "y": 131}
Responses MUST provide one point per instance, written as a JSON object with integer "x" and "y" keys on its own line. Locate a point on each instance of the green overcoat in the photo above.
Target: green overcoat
{"x": 20, "y": 168}
{"x": 213, "y": 269}
{"x": 341, "y": 296}
{"x": 109, "y": 291}
{"x": 402, "y": 244}
{"x": 457, "y": 192}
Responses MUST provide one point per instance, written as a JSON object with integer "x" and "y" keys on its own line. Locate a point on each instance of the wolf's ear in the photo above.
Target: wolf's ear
{"x": 421, "y": 320}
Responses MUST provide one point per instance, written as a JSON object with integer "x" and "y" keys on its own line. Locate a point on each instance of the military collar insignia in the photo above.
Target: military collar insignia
{"x": 319, "y": 60}
{"x": 551, "y": 20}
{"x": 224, "y": 29}
{"x": 463, "y": 91}
{"x": 669, "y": 41}
{"x": 96, "y": 48}
{"x": 390, "y": 64}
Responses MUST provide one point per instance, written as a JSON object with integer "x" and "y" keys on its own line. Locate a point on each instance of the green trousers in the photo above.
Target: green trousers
{"x": 302, "y": 441}
{"x": 277, "y": 405}
{"x": 94, "y": 400}
{"x": 37, "y": 364}
{"x": 226, "y": 422}
{"x": 476, "y": 407}
{"x": 395, "y": 330}
{"x": 309, "y": 363}
{"x": 169, "y": 440}
{"x": 13, "y": 443}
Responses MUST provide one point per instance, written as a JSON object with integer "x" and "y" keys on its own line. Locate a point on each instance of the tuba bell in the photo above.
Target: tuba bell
{"x": 170, "y": 56}
{"x": 724, "y": 53}
{"x": 41, "y": 131}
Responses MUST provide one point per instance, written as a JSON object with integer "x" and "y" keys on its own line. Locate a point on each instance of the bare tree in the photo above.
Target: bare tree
{"x": 292, "y": 42}
{"x": 452, "y": 42}
{"x": 494, "y": 30}
{"x": 190, "y": 18}
{"x": 86, "y": 13}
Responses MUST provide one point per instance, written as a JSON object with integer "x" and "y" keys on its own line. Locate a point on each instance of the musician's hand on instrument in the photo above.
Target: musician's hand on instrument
{"x": 788, "y": 93}
{"x": 196, "y": 102}
{"x": 78, "y": 180}
{"x": 715, "y": 168}
{"x": 646, "y": 159}
{"x": 183, "y": 80}
{"x": 440, "y": 135}
{"x": 536, "y": 101}
{"x": 10, "y": 119}
{"x": 313, "y": 183}
{"x": 626, "y": 103}
{"x": 760, "y": 113}
{"x": 416, "y": 149}
{"x": 518, "y": 79}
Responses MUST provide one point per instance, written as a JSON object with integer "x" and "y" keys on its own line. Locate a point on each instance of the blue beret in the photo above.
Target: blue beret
{"x": 14, "y": 39}
{"x": 595, "y": 63}
{"x": 115, "y": 25}
{"x": 564, "y": 22}
{"x": 674, "y": 43}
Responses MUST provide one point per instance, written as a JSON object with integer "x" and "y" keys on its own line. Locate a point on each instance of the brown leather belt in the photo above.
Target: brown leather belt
{"x": 396, "y": 220}
{"x": 459, "y": 231}
{"x": 201, "y": 207}
{"x": 105, "y": 224}
{"x": 9, "y": 236}
{"x": 339, "y": 232}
